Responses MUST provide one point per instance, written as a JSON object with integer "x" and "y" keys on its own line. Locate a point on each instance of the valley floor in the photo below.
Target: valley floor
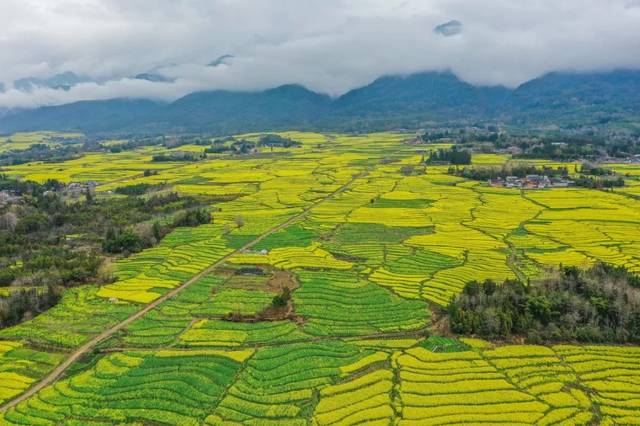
{"x": 181, "y": 336}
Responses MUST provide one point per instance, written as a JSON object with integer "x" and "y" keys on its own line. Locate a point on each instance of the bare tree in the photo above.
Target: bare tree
{"x": 8, "y": 221}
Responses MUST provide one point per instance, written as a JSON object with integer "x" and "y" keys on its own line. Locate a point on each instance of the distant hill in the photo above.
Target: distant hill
{"x": 227, "y": 112}
{"x": 387, "y": 103}
{"x": 408, "y": 101}
{"x": 90, "y": 116}
{"x": 576, "y": 98}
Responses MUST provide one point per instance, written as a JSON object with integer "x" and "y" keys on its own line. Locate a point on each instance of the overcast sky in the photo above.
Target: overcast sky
{"x": 327, "y": 45}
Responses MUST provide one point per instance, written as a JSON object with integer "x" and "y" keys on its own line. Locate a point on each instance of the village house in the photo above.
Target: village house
{"x": 512, "y": 150}
{"x": 75, "y": 189}
{"x": 531, "y": 182}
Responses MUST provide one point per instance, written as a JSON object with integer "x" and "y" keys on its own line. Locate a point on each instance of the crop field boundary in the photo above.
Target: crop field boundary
{"x": 86, "y": 347}
{"x": 421, "y": 332}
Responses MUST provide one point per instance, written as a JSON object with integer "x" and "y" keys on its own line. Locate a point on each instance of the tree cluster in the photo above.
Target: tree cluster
{"x": 282, "y": 299}
{"x": 597, "y": 305}
{"x": 412, "y": 170}
{"x": 24, "y": 304}
{"x": 564, "y": 148}
{"x": 192, "y": 217}
{"x": 178, "y": 156}
{"x": 231, "y": 145}
{"x": 599, "y": 182}
{"x": 133, "y": 239}
{"x": 272, "y": 140}
{"x": 595, "y": 170}
{"x": 480, "y": 134}
{"x": 49, "y": 240}
{"x": 41, "y": 152}
{"x": 451, "y": 156}
{"x": 136, "y": 189}
{"x": 517, "y": 170}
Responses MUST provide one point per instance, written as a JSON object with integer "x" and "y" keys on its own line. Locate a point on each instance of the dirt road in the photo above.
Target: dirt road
{"x": 88, "y": 346}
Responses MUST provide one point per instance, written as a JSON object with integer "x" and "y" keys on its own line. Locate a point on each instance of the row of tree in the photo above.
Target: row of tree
{"x": 600, "y": 182}
{"x": 518, "y": 170}
{"x": 178, "y": 156}
{"x": 272, "y": 140}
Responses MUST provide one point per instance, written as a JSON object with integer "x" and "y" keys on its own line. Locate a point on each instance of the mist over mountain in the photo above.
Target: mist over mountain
{"x": 63, "y": 81}
{"x": 329, "y": 46}
{"x": 153, "y": 77}
{"x": 389, "y": 102}
{"x": 220, "y": 60}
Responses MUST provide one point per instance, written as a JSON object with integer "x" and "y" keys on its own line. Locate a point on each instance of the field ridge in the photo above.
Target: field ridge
{"x": 79, "y": 352}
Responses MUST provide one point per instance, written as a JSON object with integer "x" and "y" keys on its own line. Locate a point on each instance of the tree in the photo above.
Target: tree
{"x": 121, "y": 241}
{"x": 157, "y": 230}
{"x": 192, "y": 217}
{"x": 8, "y": 221}
{"x": 146, "y": 234}
{"x": 282, "y": 299}
{"x": 406, "y": 170}
{"x": 489, "y": 287}
{"x": 6, "y": 276}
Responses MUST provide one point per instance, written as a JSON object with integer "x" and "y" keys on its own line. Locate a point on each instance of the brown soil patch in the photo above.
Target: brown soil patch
{"x": 349, "y": 258}
{"x": 440, "y": 323}
{"x": 281, "y": 279}
{"x": 276, "y": 283}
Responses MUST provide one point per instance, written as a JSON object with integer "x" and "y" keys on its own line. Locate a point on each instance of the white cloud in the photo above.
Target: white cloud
{"x": 326, "y": 45}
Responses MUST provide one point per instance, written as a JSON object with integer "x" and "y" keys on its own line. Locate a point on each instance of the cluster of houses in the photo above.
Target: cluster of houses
{"x": 72, "y": 190}
{"x": 75, "y": 189}
{"x": 634, "y": 159}
{"x": 531, "y": 182}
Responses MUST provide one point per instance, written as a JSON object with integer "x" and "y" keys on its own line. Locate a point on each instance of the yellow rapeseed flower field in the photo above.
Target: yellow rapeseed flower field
{"x": 367, "y": 252}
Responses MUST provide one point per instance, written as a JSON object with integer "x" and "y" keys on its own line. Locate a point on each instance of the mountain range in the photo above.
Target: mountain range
{"x": 390, "y": 102}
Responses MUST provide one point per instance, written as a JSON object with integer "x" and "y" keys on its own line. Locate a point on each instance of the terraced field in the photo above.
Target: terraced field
{"x": 367, "y": 252}
{"x": 23, "y": 141}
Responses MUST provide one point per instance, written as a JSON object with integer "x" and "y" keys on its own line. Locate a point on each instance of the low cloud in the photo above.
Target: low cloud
{"x": 329, "y": 46}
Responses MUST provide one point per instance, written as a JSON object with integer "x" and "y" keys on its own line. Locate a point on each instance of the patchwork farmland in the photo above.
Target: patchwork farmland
{"x": 188, "y": 333}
